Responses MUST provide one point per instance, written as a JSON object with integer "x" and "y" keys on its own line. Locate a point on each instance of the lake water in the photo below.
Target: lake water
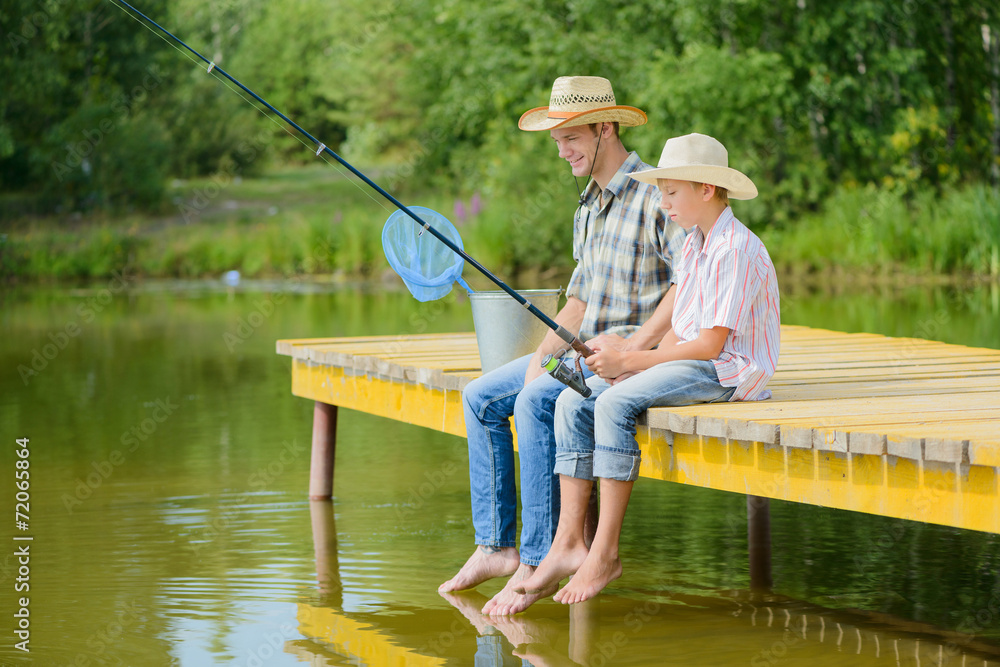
{"x": 170, "y": 523}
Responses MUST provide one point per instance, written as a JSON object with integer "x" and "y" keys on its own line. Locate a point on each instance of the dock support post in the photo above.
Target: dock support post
{"x": 324, "y": 446}
{"x": 759, "y": 542}
{"x": 324, "y": 528}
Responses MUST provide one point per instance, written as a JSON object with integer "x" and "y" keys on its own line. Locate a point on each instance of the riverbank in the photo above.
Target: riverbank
{"x": 314, "y": 222}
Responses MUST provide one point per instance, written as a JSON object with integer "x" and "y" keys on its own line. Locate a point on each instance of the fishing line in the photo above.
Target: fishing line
{"x": 224, "y": 82}
{"x": 322, "y": 148}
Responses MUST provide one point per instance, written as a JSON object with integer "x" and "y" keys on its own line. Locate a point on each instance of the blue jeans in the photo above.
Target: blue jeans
{"x": 595, "y": 436}
{"x": 489, "y": 402}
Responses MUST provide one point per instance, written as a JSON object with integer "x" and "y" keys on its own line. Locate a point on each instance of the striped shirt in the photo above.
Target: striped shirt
{"x": 625, "y": 249}
{"x": 728, "y": 281}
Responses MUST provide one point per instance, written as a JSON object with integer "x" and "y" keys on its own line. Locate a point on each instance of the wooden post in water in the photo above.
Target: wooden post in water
{"x": 759, "y": 542}
{"x": 324, "y": 529}
{"x": 324, "y": 446}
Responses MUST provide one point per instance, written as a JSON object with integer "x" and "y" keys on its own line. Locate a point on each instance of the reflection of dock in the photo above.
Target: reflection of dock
{"x": 904, "y": 428}
{"x": 666, "y": 624}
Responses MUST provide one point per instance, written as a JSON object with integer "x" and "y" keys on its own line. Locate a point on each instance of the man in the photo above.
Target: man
{"x": 622, "y": 244}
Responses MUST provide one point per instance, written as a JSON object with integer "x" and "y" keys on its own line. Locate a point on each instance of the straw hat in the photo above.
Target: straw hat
{"x": 701, "y": 159}
{"x": 580, "y": 100}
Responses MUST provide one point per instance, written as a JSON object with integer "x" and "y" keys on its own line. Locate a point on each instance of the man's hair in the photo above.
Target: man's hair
{"x": 594, "y": 127}
{"x": 721, "y": 194}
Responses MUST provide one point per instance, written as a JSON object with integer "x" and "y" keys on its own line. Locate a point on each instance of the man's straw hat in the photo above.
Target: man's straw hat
{"x": 701, "y": 159}
{"x": 580, "y": 100}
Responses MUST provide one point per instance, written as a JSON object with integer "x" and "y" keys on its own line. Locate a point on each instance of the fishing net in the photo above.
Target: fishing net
{"x": 427, "y": 266}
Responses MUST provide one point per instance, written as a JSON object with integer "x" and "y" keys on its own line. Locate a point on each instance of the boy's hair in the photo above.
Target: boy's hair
{"x": 594, "y": 126}
{"x": 721, "y": 194}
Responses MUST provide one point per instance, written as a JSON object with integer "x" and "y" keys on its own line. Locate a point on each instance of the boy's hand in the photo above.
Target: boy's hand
{"x": 607, "y": 362}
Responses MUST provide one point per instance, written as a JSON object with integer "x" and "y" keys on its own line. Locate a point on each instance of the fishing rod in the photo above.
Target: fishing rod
{"x": 559, "y": 330}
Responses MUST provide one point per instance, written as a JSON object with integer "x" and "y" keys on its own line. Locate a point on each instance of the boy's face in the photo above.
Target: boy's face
{"x": 683, "y": 203}
{"x": 577, "y": 146}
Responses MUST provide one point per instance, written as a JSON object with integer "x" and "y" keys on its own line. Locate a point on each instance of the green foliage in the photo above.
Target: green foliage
{"x": 835, "y": 110}
{"x": 876, "y": 231}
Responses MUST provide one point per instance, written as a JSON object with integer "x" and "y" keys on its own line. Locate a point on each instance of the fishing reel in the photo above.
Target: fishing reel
{"x": 565, "y": 374}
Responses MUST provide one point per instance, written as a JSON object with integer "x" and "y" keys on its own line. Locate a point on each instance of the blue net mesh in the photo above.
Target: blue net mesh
{"x": 427, "y": 266}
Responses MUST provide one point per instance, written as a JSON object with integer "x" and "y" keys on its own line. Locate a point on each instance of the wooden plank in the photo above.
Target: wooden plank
{"x": 900, "y": 427}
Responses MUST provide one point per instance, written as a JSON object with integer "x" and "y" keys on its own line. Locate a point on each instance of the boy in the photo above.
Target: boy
{"x": 723, "y": 346}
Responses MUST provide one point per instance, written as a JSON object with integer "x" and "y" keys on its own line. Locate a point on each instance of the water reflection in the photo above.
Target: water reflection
{"x": 658, "y": 626}
{"x": 199, "y": 547}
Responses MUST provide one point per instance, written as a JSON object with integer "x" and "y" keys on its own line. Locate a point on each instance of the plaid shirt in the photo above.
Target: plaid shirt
{"x": 625, "y": 252}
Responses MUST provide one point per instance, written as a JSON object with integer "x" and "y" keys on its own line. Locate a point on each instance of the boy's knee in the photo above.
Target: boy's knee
{"x": 610, "y": 406}
{"x": 569, "y": 401}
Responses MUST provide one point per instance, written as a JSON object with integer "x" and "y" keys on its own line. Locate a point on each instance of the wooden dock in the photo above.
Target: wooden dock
{"x": 900, "y": 427}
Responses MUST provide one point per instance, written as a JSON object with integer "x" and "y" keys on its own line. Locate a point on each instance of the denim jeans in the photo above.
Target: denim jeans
{"x": 489, "y": 402}
{"x": 595, "y": 436}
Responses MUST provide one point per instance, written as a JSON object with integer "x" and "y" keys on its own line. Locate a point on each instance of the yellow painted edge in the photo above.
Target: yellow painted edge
{"x": 900, "y": 488}
{"x": 358, "y": 640}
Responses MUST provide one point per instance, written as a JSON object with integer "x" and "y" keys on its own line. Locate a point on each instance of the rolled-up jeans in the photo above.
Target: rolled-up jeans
{"x": 489, "y": 401}
{"x": 595, "y": 436}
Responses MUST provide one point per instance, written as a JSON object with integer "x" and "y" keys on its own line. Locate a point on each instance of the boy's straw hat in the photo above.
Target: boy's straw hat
{"x": 701, "y": 159}
{"x": 580, "y": 100}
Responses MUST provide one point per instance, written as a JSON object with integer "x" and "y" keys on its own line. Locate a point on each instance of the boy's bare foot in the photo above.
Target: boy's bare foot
{"x": 556, "y": 566}
{"x": 508, "y": 601}
{"x": 594, "y": 574}
{"x": 485, "y": 563}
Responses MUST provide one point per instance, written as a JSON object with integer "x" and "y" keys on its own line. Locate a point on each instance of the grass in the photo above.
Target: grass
{"x": 313, "y": 221}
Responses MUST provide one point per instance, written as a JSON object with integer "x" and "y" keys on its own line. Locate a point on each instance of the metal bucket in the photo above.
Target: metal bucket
{"x": 505, "y": 330}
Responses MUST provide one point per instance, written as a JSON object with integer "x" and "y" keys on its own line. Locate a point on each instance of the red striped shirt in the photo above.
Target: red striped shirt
{"x": 728, "y": 281}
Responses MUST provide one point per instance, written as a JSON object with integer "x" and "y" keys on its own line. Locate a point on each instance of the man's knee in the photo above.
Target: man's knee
{"x": 475, "y": 394}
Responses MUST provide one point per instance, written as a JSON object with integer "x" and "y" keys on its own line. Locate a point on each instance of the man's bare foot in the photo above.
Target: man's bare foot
{"x": 594, "y": 574}
{"x": 556, "y": 566}
{"x": 485, "y": 563}
{"x": 469, "y": 603}
{"x": 508, "y": 601}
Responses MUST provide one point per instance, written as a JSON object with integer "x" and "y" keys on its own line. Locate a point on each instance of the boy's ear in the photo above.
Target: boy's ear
{"x": 707, "y": 191}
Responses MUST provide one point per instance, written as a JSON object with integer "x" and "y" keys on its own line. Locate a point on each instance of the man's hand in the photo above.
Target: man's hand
{"x": 608, "y": 340}
{"x": 534, "y": 370}
{"x": 623, "y": 376}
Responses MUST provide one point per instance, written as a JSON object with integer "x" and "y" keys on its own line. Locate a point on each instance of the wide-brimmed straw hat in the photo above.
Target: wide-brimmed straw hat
{"x": 580, "y": 100}
{"x": 701, "y": 159}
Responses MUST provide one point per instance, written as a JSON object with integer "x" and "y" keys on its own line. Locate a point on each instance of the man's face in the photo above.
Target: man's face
{"x": 577, "y": 146}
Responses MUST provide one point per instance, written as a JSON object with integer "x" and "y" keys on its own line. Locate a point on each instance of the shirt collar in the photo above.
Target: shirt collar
{"x": 696, "y": 241}
{"x": 619, "y": 181}
{"x": 717, "y": 234}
